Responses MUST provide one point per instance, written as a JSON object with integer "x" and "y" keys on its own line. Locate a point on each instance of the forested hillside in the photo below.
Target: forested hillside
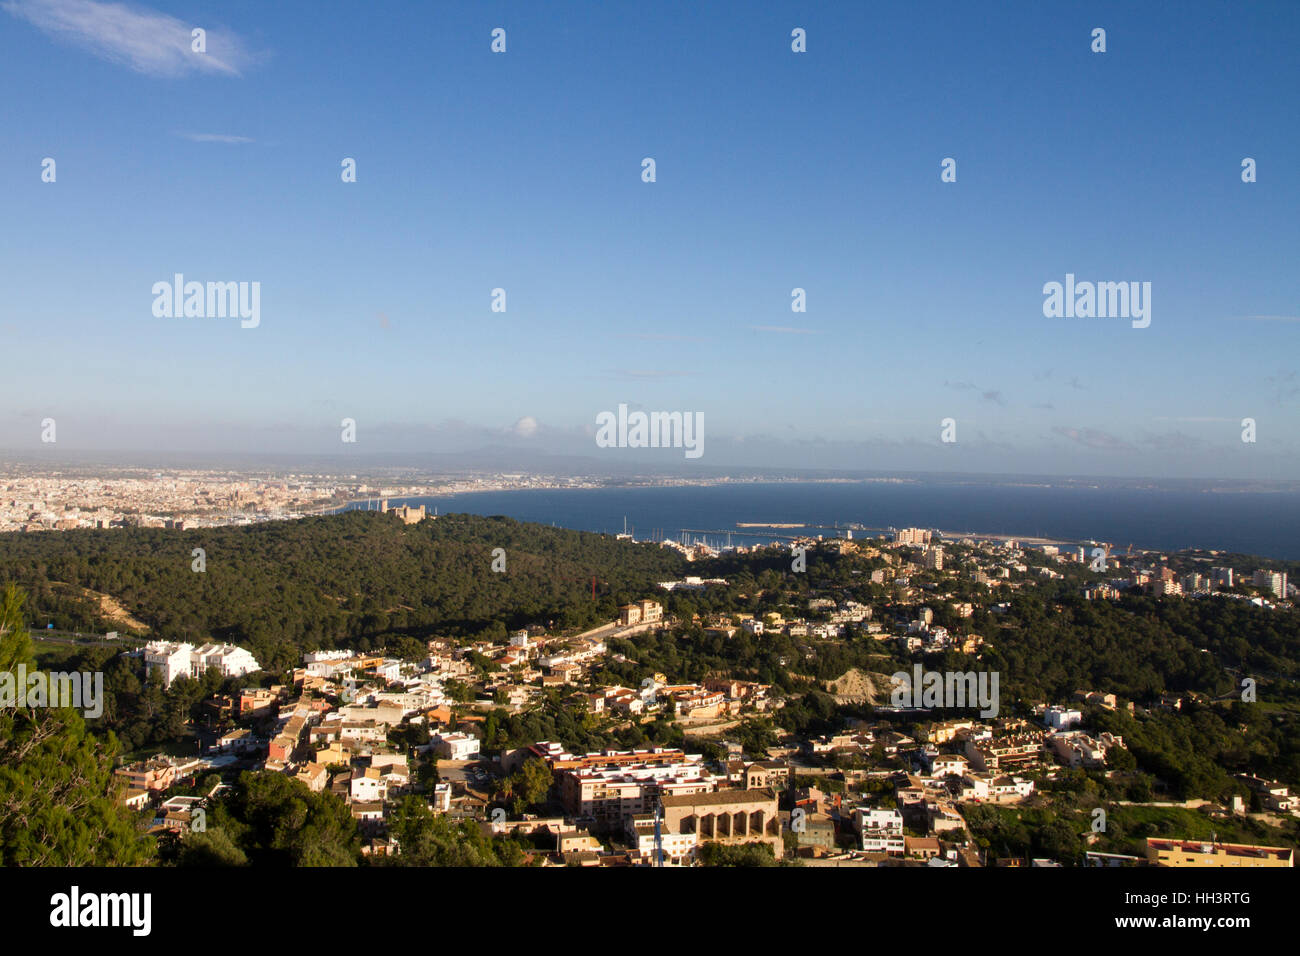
{"x": 285, "y": 587}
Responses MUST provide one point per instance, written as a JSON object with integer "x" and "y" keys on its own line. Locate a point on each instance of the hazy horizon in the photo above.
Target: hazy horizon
{"x": 495, "y": 461}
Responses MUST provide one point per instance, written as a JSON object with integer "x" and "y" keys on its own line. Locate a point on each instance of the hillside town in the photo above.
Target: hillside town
{"x": 892, "y": 788}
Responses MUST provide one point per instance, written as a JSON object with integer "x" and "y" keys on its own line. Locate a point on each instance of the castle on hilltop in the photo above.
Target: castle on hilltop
{"x": 407, "y": 514}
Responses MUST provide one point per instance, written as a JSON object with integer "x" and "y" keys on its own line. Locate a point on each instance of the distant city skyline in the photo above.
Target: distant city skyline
{"x": 775, "y": 171}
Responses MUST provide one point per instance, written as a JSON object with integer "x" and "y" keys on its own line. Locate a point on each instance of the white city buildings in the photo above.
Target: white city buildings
{"x": 186, "y": 660}
{"x": 1273, "y": 582}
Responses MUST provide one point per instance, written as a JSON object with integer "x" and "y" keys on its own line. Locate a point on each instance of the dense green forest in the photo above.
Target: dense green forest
{"x": 1051, "y": 642}
{"x": 346, "y": 580}
{"x": 366, "y": 580}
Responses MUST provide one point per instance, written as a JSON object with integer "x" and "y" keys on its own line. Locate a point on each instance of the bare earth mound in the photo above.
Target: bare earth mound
{"x": 857, "y": 687}
{"x": 112, "y": 611}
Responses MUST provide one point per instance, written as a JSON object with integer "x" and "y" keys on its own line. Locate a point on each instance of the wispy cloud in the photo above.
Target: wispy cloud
{"x": 1050, "y": 375}
{"x": 140, "y": 39}
{"x": 988, "y": 395}
{"x": 215, "y": 138}
{"x": 1264, "y": 318}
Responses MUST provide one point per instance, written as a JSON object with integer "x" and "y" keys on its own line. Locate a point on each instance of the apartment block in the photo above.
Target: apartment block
{"x": 1273, "y": 582}
{"x": 610, "y": 788}
{"x": 881, "y": 831}
{"x": 185, "y": 660}
{"x": 912, "y": 536}
{"x": 1191, "y": 853}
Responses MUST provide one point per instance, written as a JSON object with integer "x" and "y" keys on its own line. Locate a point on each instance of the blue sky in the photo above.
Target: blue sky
{"x": 775, "y": 170}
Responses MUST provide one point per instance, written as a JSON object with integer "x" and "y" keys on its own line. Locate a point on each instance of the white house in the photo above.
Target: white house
{"x": 945, "y": 764}
{"x": 368, "y": 785}
{"x": 975, "y": 786}
{"x": 456, "y": 746}
{"x": 441, "y": 801}
{"x": 1059, "y": 717}
{"x": 1010, "y": 788}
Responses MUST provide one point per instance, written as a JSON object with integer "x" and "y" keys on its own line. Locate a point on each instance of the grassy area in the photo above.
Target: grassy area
{"x": 52, "y": 656}
{"x": 1180, "y": 822}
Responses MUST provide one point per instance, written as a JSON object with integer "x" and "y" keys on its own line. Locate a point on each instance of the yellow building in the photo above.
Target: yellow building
{"x": 642, "y": 612}
{"x": 1192, "y": 853}
{"x": 335, "y": 753}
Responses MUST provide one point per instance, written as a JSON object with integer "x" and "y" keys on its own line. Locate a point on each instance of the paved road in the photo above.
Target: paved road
{"x": 84, "y": 640}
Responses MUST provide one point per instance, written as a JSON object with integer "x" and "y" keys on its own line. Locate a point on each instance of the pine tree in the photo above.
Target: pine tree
{"x": 57, "y": 806}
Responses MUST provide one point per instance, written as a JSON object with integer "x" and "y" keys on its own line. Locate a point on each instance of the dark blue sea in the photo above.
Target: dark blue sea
{"x": 1260, "y": 523}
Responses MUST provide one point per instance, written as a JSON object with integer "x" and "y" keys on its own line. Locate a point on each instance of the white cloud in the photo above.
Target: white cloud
{"x": 143, "y": 40}
{"x": 526, "y": 427}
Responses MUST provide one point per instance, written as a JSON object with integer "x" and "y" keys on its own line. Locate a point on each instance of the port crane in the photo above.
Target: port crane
{"x": 584, "y": 580}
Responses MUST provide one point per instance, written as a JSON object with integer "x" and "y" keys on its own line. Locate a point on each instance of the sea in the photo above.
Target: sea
{"x": 1259, "y": 523}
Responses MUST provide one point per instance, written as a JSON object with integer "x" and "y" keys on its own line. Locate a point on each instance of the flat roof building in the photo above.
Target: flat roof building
{"x": 1195, "y": 853}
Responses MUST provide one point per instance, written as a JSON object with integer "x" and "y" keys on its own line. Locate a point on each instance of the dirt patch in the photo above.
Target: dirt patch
{"x": 111, "y": 611}
{"x": 857, "y": 687}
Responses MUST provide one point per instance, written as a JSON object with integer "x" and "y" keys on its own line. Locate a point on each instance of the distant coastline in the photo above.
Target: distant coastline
{"x": 1141, "y": 519}
{"x": 1256, "y": 518}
